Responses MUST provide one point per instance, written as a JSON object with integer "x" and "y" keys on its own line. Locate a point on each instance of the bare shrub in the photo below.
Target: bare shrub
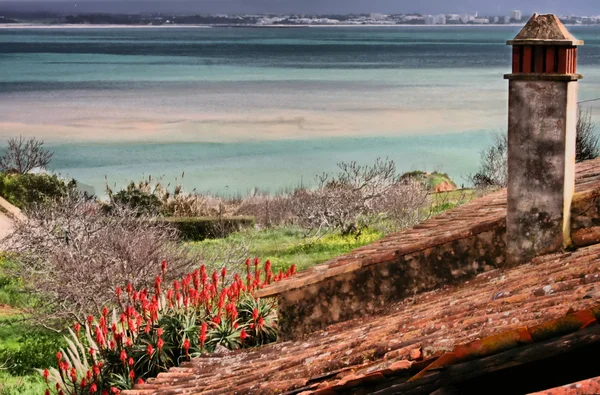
{"x": 268, "y": 210}
{"x": 403, "y": 205}
{"x": 493, "y": 165}
{"x": 73, "y": 256}
{"x": 587, "y": 143}
{"x": 345, "y": 201}
{"x": 22, "y": 156}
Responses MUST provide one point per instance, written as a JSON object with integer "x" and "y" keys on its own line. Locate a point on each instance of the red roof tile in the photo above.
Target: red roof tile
{"x": 585, "y": 387}
{"x": 523, "y": 300}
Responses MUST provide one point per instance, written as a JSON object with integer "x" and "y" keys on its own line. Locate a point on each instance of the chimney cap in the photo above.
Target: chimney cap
{"x": 545, "y": 30}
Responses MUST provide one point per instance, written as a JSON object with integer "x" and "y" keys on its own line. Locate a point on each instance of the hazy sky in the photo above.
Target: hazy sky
{"x": 495, "y": 7}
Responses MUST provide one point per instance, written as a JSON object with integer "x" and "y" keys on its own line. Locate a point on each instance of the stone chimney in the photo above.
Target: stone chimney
{"x": 541, "y": 138}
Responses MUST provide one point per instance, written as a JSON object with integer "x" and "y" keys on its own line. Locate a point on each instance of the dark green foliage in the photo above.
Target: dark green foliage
{"x": 201, "y": 228}
{"x": 36, "y": 350}
{"x": 23, "y": 190}
{"x": 143, "y": 203}
{"x": 413, "y": 175}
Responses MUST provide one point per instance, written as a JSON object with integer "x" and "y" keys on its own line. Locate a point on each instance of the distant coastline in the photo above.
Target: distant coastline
{"x": 117, "y": 26}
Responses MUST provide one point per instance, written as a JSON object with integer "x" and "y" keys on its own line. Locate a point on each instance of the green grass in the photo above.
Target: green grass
{"x": 285, "y": 246}
{"x": 21, "y": 385}
{"x": 24, "y": 345}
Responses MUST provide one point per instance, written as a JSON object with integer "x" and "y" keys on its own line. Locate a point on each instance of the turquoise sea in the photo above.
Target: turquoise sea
{"x": 237, "y": 108}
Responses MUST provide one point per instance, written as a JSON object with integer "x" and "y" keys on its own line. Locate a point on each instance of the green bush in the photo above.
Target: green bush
{"x": 21, "y": 385}
{"x": 23, "y": 190}
{"x": 201, "y": 228}
{"x": 140, "y": 201}
{"x": 36, "y": 350}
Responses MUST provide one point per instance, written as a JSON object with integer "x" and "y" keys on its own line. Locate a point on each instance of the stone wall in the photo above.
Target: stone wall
{"x": 370, "y": 289}
{"x": 445, "y": 250}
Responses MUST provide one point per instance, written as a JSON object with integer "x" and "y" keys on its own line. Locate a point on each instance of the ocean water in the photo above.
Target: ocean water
{"x": 238, "y": 108}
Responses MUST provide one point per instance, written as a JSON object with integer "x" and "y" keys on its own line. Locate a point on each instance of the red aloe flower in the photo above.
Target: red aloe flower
{"x": 77, "y": 328}
{"x": 118, "y": 292}
{"x": 186, "y": 347}
{"x": 59, "y": 356}
{"x": 131, "y": 325}
{"x": 140, "y": 381}
{"x": 163, "y": 266}
{"x": 93, "y": 388}
{"x": 261, "y": 322}
{"x": 47, "y": 392}
{"x": 157, "y": 282}
{"x": 203, "y": 329}
{"x": 96, "y": 370}
{"x": 159, "y": 332}
{"x": 132, "y": 375}
{"x": 90, "y": 319}
{"x": 150, "y": 350}
{"x": 73, "y": 375}
{"x": 83, "y": 383}
{"x": 131, "y": 362}
{"x": 129, "y": 288}
{"x": 243, "y": 335}
{"x": 215, "y": 279}
{"x": 254, "y": 314}
{"x": 160, "y": 343}
{"x": 123, "y": 356}
{"x": 46, "y": 375}
{"x": 104, "y": 312}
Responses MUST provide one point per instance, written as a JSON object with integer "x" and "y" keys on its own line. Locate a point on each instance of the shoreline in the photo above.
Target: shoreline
{"x": 99, "y": 26}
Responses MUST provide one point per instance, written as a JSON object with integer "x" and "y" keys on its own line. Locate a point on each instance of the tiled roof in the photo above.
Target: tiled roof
{"x": 494, "y": 311}
{"x": 373, "y": 348}
{"x": 585, "y": 387}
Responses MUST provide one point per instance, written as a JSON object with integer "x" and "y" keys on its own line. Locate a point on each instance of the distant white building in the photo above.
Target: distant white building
{"x": 516, "y": 15}
{"x": 429, "y": 19}
{"x": 378, "y": 16}
{"x": 481, "y": 21}
{"x": 496, "y": 19}
{"x": 440, "y": 19}
{"x": 466, "y": 18}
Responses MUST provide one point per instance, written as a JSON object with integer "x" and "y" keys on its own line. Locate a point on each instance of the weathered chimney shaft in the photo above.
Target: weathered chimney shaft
{"x": 541, "y": 139}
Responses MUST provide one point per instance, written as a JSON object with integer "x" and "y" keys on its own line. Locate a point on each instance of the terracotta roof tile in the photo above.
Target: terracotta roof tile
{"x": 585, "y": 387}
{"x": 498, "y": 304}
